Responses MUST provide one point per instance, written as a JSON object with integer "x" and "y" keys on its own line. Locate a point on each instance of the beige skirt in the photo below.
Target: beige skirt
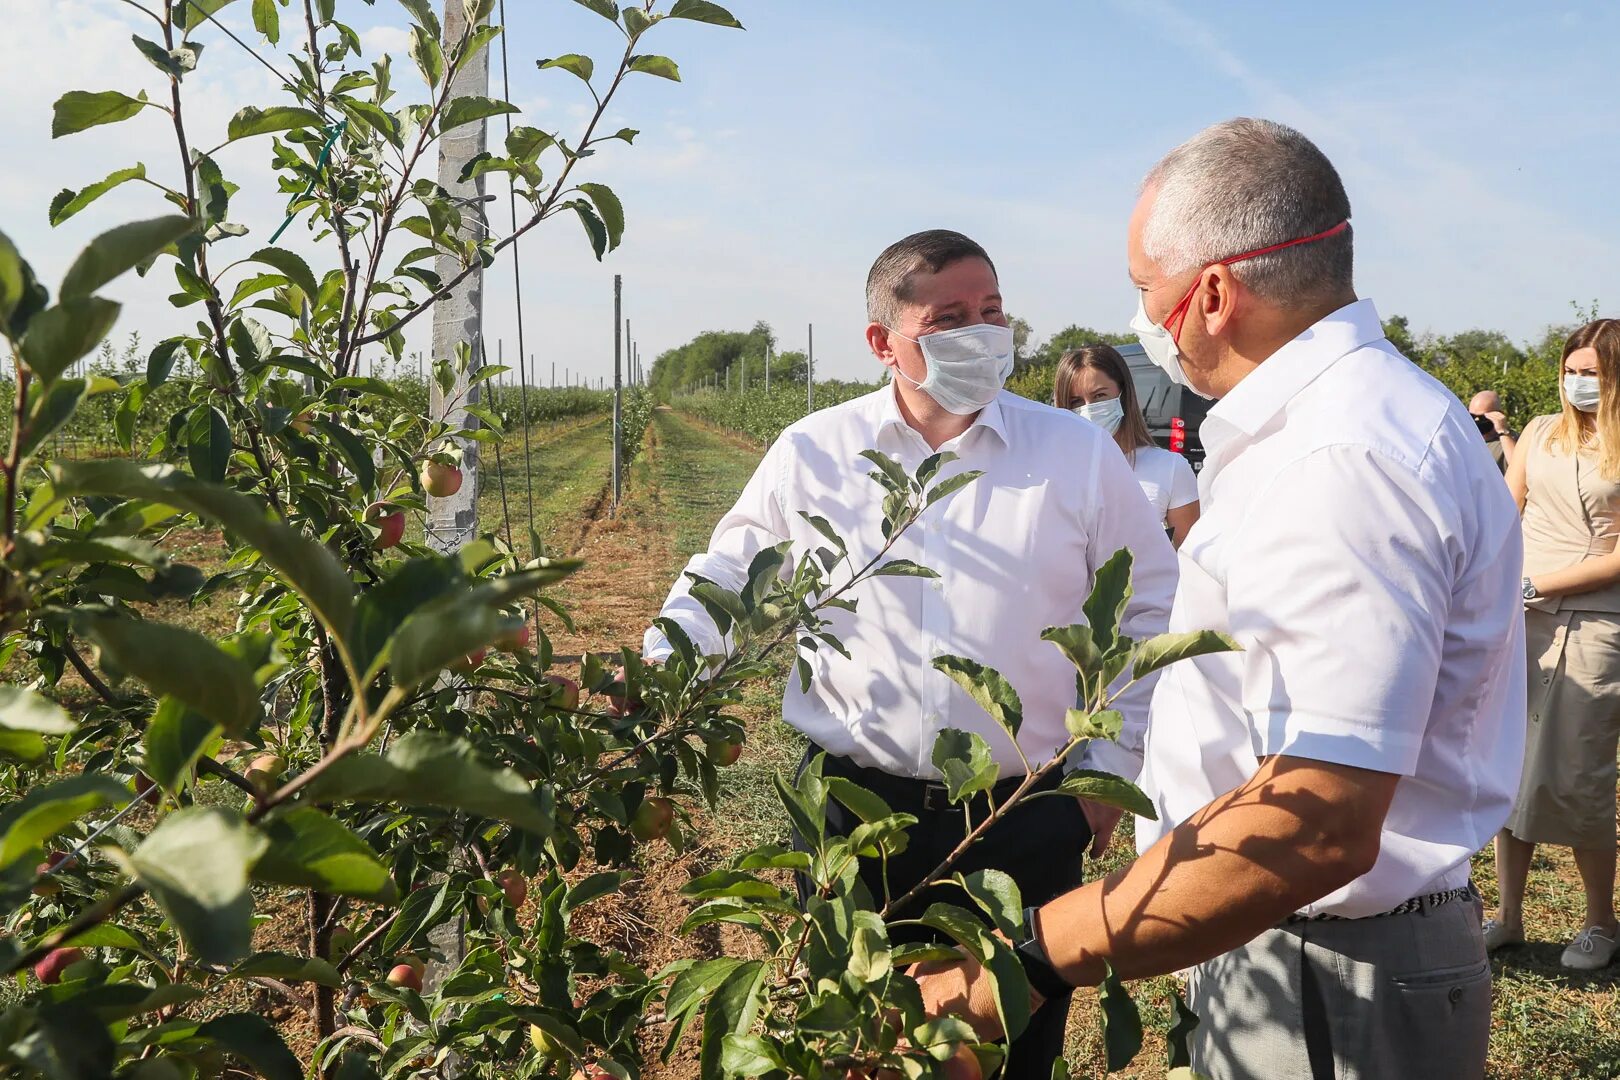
{"x": 1567, "y": 793}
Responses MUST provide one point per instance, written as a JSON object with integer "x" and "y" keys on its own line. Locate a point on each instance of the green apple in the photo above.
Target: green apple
{"x": 652, "y": 819}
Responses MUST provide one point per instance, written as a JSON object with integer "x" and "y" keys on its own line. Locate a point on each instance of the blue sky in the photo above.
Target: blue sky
{"x": 1478, "y": 142}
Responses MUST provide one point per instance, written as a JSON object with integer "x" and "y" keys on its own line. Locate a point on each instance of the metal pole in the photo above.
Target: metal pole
{"x": 618, "y": 414}
{"x": 810, "y": 373}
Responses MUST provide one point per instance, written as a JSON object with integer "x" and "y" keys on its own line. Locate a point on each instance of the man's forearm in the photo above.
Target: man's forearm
{"x": 1293, "y": 834}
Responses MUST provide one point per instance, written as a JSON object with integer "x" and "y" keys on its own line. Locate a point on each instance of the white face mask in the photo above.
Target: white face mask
{"x": 1105, "y": 414}
{"x": 966, "y": 368}
{"x": 1582, "y": 391}
{"x": 1159, "y": 345}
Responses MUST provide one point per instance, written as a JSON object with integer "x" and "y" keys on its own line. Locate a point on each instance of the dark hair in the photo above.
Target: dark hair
{"x": 888, "y": 283}
{"x": 1133, "y": 430}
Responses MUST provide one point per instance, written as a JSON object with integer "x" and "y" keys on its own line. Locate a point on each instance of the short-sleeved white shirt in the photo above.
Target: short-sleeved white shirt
{"x": 1166, "y": 479}
{"x": 1358, "y": 542}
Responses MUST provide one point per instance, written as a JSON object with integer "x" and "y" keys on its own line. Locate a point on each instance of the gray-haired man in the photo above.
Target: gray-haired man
{"x": 1321, "y": 792}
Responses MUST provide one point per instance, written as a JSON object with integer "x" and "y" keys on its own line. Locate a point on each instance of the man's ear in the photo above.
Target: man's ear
{"x": 1218, "y": 302}
{"x": 877, "y": 339}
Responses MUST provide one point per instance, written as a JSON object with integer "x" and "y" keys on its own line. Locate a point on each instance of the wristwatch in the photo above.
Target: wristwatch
{"x": 1530, "y": 590}
{"x": 1038, "y": 969}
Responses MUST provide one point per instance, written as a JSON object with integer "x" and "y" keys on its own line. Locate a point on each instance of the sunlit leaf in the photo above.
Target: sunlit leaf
{"x": 661, "y": 66}
{"x": 195, "y": 864}
{"x": 1166, "y": 649}
{"x": 69, "y": 202}
{"x": 429, "y": 769}
{"x": 77, "y": 110}
{"x": 1110, "y": 790}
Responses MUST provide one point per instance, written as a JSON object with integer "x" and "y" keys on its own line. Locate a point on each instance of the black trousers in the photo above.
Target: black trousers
{"x": 1040, "y": 844}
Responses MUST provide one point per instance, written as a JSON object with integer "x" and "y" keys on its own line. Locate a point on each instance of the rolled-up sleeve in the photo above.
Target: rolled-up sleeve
{"x": 757, "y": 521}
{"x": 1339, "y": 589}
{"x": 1123, "y": 518}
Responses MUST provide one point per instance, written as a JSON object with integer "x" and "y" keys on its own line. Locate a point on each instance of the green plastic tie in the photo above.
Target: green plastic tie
{"x": 332, "y": 133}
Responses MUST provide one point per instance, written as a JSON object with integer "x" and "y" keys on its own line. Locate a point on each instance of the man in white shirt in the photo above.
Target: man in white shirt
{"x": 1015, "y": 551}
{"x": 1321, "y": 792}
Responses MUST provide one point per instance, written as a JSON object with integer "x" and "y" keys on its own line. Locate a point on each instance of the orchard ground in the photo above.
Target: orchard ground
{"x": 1548, "y": 1024}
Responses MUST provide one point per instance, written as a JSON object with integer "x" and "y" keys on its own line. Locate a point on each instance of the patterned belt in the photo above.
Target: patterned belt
{"x": 1406, "y": 907}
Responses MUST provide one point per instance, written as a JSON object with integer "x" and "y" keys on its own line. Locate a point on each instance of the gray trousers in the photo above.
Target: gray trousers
{"x": 1364, "y": 999}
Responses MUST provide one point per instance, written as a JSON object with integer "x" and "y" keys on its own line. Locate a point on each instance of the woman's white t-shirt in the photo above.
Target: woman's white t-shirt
{"x": 1166, "y": 479}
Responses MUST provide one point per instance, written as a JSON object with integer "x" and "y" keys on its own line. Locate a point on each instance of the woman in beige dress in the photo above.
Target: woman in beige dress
{"x": 1566, "y": 478}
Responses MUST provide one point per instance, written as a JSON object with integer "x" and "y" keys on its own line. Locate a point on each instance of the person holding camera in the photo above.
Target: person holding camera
{"x": 1486, "y": 409}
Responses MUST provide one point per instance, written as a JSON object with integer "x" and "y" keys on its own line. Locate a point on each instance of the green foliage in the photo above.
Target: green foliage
{"x": 378, "y": 772}
{"x": 1526, "y": 377}
{"x": 762, "y": 416}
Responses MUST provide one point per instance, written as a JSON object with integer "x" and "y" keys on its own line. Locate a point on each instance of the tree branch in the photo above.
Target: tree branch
{"x": 546, "y": 206}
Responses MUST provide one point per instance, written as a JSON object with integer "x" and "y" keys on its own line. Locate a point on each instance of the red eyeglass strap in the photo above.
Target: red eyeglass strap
{"x": 1179, "y": 313}
{"x": 1323, "y": 235}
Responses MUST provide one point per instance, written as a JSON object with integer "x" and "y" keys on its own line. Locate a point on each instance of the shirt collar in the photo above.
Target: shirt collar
{"x": 1268, "y": 389}
{"x": 990, "y": 417}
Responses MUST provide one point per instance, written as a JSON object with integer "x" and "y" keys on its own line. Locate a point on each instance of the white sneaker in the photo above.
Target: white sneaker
{"x": 1498, "y": 935}
{"x": 1592, "y": 949}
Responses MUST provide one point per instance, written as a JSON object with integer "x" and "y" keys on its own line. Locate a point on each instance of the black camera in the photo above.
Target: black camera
{"x": 1487, "y": 426}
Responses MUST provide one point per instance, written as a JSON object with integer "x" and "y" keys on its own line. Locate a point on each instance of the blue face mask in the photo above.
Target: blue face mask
{"x": 1105, "y": 414}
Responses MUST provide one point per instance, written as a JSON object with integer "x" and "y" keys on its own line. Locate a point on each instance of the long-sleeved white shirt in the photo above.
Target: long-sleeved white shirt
{"x": 1359, "y": 543}
{"x": 1015, "y": 551}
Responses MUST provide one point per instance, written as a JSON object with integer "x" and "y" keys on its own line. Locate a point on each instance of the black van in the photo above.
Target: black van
{"x": 1173, "y": 412}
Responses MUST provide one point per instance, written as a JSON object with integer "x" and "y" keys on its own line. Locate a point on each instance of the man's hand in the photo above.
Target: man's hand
{"x": 1103, "y": 820}
{"x": 962, "y": 988}
{"x": 1499, "y": 419}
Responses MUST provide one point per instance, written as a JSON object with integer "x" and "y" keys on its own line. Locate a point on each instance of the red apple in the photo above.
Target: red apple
{"x": 652, "y": 819}
{"x": 146, "y": 790}
{"x": 441, "y": 480}
{"x": 265, "y": 770}
{"x": 46, "y": 885}
{"x": 724, "y": 752}
{"x": 390, "y": 523}
{"x": 513, "y": 885}
{"x": 568, "y": 698}
{"x": 49, "y": 970}
{"x": 622, "y": 703}
{"x": 514, "y": 639}
{"x": 406, "y": 975}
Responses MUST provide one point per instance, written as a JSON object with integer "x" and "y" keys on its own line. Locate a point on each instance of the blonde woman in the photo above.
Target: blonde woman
{"x": 1095, "y": 382}
{"x": 1566, "y": 478}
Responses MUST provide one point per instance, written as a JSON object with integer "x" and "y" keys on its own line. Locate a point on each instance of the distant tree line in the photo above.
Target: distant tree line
{"x": 1525, "y": 374}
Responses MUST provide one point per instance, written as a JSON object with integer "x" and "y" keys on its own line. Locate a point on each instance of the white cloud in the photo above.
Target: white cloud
{"x": 387, "y": 39}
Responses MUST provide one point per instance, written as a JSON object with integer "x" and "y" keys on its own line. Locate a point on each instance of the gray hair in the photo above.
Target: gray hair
{"x": 888, "y": 283}
{"x": 1246, "y": 184}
